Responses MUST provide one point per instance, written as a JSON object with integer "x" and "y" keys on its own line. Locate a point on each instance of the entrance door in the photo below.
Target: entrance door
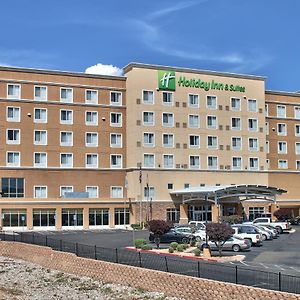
{"x": 197, "y": 213}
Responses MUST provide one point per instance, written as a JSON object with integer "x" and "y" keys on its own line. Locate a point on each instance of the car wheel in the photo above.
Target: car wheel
{"x": 264, "y": 237}
{"x": 185, "y": 240}
{"x": 279, "y": 229}
{"x": 236, "y": 248}
{"x": 198, "y": 239}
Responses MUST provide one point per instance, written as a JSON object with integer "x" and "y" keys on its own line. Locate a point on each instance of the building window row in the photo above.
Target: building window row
{"x": 66, "y": 94}
{"x": 281, "y": 111}
{"x": 282, "y": 147}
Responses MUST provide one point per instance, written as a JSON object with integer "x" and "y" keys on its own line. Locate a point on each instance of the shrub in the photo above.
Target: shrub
{"x": 174, "y": 245}
{"x": 197, "y": 252}
{"x": 139, "y": 243}
{"x": 180, "y": 248}
{"x": 136, "y": 226}
{"x": 193, "y": 243}
{"x": 185, "y": 246}
{"x": 158, "y": 227}
{"x": 171, "y": 250}
{"x": 283, "y": 214}
{"x": 147, "y": 247}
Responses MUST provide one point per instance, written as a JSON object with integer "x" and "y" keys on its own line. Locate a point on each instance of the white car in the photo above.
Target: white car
{"x": 199, "y": 234}
{"x": 248, "y": 232}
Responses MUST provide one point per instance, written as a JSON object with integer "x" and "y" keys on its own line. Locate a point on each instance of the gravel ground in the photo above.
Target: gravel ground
{"x": 23, "y": 280}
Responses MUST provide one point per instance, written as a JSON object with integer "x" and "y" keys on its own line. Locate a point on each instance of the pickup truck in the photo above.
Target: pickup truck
{"x": 280, "y": 226}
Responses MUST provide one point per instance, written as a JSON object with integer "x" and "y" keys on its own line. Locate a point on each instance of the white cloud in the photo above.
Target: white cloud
{"x": 100, "y": 69}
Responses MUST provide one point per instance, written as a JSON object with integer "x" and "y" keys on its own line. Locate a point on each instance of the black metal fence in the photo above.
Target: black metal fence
{"x": 196, "y": 268}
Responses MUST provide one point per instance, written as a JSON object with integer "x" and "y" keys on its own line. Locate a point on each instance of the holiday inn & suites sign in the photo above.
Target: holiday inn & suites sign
{"x": 167, "y": 81}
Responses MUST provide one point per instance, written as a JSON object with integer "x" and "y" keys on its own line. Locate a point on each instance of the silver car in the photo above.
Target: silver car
{"x": 265, "y": 234}
{"x": 270, "y": 229}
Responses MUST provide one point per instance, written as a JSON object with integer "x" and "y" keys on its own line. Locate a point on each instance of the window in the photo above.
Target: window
{"x": 65, "y": 189}
{"x": 193, "y": 100}
{"x": 43, "y": 217}
{"x": 115, "y": 98}
{"x": 297, "y": 148}
{"x": 149, "y": 140}
{"x": 282, "y": 147}
{"x": 297, "y": 112}
{"x": 66, "y": 116}
{"x": 267, "y": 148}
{"x": 13, "y": 114}
{"x": 40, "y": 93}
{"x": 66, "y": 160}
{"x": 116, "y": 192}
{"x": 91, "y": 118}
{"x": 211, "y": 122}
{"x": 148, "y": 97}
{"x": 168, "y": 161}
{"x": 281, "y": 129}
{"x": 13, "y": 159}
{"x": 235, "y": 104}
{"x": 12, "y": 187}
{"x": 212, "y": 162}
{"x": 92, "y": 191}
{"x": 71, "y": 217}
{"x": 193, "y": 121}
{"x": 91, "y": 96}
{"x": 170, "y": 186}
{"x": 40, "y": 192}
{"x": 13, "y": 91}
{"x": 167, "y": 98}
{"x": 267, "y": 127}
{"x": 13, "y": 136}
{"x": 116, "y": 140}
{"x": 252, "y": 124}
{"x": 116, "y": 161}
{"x": 212, "y": 142}
{"x": 173, "y": 215}
{"x": 98, "y": 216}
{"x": 40, "y": 137}
{"x": 281, "y": 111}
{"x": 282, "y": 164}
{"x": 66, "y": 138}
{"x": 297, "y": 130}
{"x": 40, "y": 115}
{"x": 122, "y": 216}
{"x": 40, "y": 159}
{"x": 194, "y": 141}
{"x": 148, "y": 118}
{"x": 253, "y": 163}
{"x": 168, "y": 140}
{"x": 91, "y": 160}
{"x": 66, "y": 95}
{"x": 149, "y": 161}
{"x": 149, "y": 192}
{"x": 91, "y": 139}
{"x": 253, "y": 144}
{"x": 255, "y": 212}
{"x": 168, "y": 119}
{"x": 236, "y": 143}
{"x": 235, "y": 123}
{"x": 14, "y": 218}
{"x": 252, "y": 106}
{"x": 298, "y": 164}
{"x": 236, "y": 163}
{"x": 194, "y": 162}
{"x": 268, "y": 164}
{"x": 211, "y": 102}
{"x": 116, "y": 119}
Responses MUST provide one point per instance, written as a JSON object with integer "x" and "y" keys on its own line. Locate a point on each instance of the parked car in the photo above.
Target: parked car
{"x": 295, "y": 220}
{"x": 280, "y": 226}
{"x": 199, "y": 224}
{"x": 265, "y": 234}
{"x": 234, "y": 243}
{"x": 270, "y": 229}
{"x": 173, "y": 236}
{"x": 249, "y": 233}
{"x": 198, "y": 234}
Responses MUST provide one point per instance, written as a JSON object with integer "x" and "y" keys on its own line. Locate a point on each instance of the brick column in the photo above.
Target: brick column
{"x": 85, "y": 218}
{"x": 1, "y": 220}
{"x": 273, "y": 208}
{"x": 215, "y": 213}
{"x": 183, "y": 214}
{"x": 111, "y": 217}
{"x": 58, "y": 218}
{"x": 29, "y": 218}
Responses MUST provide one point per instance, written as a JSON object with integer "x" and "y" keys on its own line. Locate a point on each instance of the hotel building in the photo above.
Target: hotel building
{"x": 92, "y": 151}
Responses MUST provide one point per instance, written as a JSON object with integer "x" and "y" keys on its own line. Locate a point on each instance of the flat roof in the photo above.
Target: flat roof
{"x": 59, "y": 72}
{"x": 283, "y": 93}
{"x": 132, "y": 65}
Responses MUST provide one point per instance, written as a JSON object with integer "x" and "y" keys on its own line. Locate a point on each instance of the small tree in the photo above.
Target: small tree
{"x": 283, "y": 214}
{"x": 219, "y": 233}
{"x": 158, "y": 227}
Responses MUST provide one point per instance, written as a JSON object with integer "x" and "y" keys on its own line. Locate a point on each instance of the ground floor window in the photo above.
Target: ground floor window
{"x": 72, "y": 217}
{"x": 173, "y": 215}
{"x": 12, "y": 187}
{"x": 44, "y": 217}
{"x": 14, "y": 217}
{"x": 198, "y": 213}
{"x": 98, "y": 216}
{"x": 255, "y": 212}
{"x": 122, "y": 216}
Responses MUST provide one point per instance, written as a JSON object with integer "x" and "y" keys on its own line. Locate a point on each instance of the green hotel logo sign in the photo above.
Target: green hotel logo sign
{"x": 167, "y": 81}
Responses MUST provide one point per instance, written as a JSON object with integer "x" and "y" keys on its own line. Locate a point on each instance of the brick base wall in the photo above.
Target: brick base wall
{"x": 170, "y": 284}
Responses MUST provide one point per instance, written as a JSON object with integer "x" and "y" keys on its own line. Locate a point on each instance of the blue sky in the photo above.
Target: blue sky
{"x": 258, "y": 37}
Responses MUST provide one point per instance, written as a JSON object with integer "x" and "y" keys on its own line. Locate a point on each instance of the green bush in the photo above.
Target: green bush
{"x": 197, "y": 252}
{"x": 174, "y": 245}
{"x": 171, "y": 250}
{"x": 136, "y": 226}
{"x": 180, "y": 248}
{"x": 185, "y": 246}
{"x": 139, "y": 243}
{"x": 193, "y": 243}
{"x": 147, "y": 247}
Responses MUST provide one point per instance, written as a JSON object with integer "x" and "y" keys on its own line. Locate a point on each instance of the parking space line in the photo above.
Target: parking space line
{"x": 264, "y": 265}
{"x": 297, "y": 270}
{"x": 279, "y": 267}
{"x": 244, "y": 263}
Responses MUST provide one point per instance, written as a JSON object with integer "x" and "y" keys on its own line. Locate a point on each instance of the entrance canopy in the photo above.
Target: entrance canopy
{"x": 218, "y": 193}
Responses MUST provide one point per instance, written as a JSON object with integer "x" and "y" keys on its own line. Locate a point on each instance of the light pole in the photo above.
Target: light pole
{"x": 206, "y": 197}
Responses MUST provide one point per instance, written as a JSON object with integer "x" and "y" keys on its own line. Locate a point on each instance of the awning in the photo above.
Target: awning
{"x": 217, "y": 193}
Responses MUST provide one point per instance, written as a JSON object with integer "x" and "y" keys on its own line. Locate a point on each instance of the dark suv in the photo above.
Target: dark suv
{"x": 173, "y": 236}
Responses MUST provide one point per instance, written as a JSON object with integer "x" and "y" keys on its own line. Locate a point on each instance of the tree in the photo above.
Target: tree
{"x": 283, "y": 214}
{"x": 158, "y": 227}
{"x": 219, "y": 233}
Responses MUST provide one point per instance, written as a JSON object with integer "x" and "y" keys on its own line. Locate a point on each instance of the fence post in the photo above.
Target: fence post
{"x": 236, "y": 274}
{"x": 4, "y": 235}
{"x": 279, "y": 281}
{"x": 199, "y": 269}
{"x": 46, "y": 241}
{"x": 76, "y": 249}
{"x": 21, "y": 233}
{"x": 33, "y": 238}
{"x": 140, "y": 259}
{"x": 60, "y": 245}
{"x": 117, "y": 258}
{"x": 95, "y": 252}
{"x": 167, "y": 268}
